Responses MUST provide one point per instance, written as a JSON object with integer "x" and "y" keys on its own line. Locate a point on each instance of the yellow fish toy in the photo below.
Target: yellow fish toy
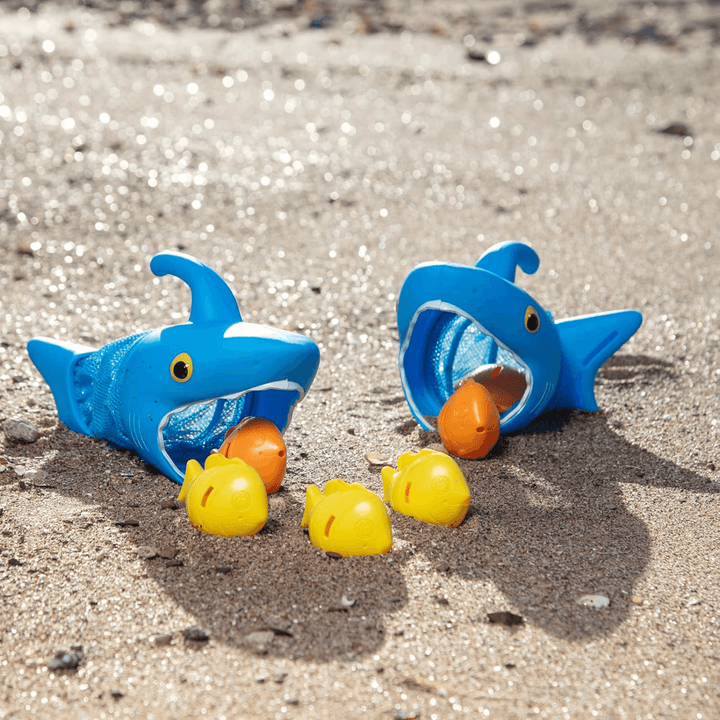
{"x": 347, "y": 520}
{"x": 227, "y": 498}
{"x": 427, "y": 486}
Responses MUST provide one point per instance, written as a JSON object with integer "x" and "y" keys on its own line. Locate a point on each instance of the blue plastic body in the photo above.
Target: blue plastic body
{"x": 172, "y": 393}
{"x": 453, "y": 319}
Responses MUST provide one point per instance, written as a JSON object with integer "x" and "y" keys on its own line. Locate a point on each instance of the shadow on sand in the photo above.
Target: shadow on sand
{"x": 548, "y": 523}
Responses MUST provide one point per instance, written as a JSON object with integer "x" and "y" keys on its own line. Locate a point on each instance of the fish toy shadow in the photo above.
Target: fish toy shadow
{"x": 171, "y": 394}
{"x": 459, "y": 321}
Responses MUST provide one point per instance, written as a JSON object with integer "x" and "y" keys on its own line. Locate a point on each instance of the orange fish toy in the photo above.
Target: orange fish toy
{"x": 469, "y": 422}
{"x": 259, "y": 443}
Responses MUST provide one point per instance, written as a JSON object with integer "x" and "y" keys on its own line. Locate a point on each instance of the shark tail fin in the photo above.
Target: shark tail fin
{"x": 313, "y": 497}
{"x": 56, "y": 361}
{"x": 588, "y": 342}
{"x": 192, "y": 470}
{"x": 388, "y": 475}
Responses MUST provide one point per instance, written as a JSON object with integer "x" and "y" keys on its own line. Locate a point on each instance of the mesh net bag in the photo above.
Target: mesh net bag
{"x": 98, "y": 393}
{"x": 453, "y": 347}
{"x": 193, "y": 432}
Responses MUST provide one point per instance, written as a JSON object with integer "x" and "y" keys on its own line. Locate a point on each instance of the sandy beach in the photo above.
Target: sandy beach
{"x": 312, "y": 154}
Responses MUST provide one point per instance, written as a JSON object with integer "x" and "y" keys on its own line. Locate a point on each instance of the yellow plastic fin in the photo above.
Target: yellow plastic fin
{"x": 388, "y": 475}
{"x": 192, "y": 470}
{"x": 335, "y": 485}
{"x": 217, "y": 460}
{"x": 313, "y": 497}
{"x": 405, "y": 459}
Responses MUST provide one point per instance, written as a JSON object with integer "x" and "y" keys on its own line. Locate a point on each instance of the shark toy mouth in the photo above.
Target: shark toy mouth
{"x": 194, "y": 431}
{"x": 445, "y": 347}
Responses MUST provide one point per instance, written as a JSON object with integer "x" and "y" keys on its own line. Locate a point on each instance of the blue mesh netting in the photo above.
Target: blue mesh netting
{"x": 97, "y": 391}
{"x": 456, "y": 348}
{"x": 192, "y": 433}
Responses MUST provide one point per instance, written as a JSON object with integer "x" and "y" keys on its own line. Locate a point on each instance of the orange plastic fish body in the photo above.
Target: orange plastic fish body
{"x": 469, "y": 422}
{"x": 259, "y": 443}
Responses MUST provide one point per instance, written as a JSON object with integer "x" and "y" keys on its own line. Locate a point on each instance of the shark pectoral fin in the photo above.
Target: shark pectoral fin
{"x": 192, "y": 470}
{"x": 586, "y": 343}
{"x": 313, "y": 496}
{"x": 388, "y": 475}
{"x": 56, "y": 362}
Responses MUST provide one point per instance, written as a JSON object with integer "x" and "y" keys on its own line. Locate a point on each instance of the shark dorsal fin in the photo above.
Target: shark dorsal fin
{"x": 212, "y": 299}
{"x": 504, "y": 258}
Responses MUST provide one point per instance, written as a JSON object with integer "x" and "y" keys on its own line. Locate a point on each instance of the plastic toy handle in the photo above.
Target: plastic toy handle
{"x": 212, "y": 299}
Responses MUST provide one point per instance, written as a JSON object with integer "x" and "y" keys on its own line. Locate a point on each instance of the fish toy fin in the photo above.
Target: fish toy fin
{"x": 313, "y": 496}
{"x": 586, "y": 343}
{"x": 56, "y": 361}
{"x": 335, "y": 485}
{"x": 406, "y": 458}
{"x": 388, "y": 476}
{"x": 212, "y": 299}
{"x": 219, "y": 460}
{"x": 192, "y": 470}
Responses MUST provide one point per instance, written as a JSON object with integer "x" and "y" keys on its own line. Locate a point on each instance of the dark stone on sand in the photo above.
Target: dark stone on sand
{"x": 195, "y": 634}
{"x": 65, "y": 660}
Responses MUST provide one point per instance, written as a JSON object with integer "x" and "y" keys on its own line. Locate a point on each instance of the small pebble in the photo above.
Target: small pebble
{"x": 223, "y": 569}
{"x": 132, "y": 522}
{"x": 117, "y": 694}
{"x": 146, "y": 552}
{"x": 167, "y": 551}
{"x": 595, "y": 601}
{"x": 375, "y": 458}
{"x": 20, "y": 431}
{"x": 64, "y": 660}
{"x": 503, "y": 617}
{"x": 196, "y": 634}
{"x": 161, "y": 640}
{"x": 171, "y": 504}
{"x": 14, "y": 562}
{"x": 280, "y": 679}
{"x": 346, "y": 602}
{"x": 174, "y": 563}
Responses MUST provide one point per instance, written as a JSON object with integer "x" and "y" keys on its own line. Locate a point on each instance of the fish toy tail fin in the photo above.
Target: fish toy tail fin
{"x": 313, "y": 497}
{"x": 587, "y": 343}
{"x": 192, "y": 470}
{"x": 388, "y": 475}
{"x": 56, "y": 361}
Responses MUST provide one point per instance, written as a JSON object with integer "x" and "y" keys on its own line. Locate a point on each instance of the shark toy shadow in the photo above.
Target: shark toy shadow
{"x": 552, "y": 519}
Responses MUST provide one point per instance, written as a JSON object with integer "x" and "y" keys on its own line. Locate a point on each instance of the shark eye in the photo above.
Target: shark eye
{"x": 181, "y": 368}
{"x": 532, "y": 319}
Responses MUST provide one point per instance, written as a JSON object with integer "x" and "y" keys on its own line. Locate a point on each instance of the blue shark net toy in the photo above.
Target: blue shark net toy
{"x": 172, "y": 393}
{"x": 458, "y": 322}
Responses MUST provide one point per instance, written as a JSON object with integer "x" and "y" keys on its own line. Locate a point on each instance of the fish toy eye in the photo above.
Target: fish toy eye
{"x": 532, "y": 319}
{"x": 181, "y": 368}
